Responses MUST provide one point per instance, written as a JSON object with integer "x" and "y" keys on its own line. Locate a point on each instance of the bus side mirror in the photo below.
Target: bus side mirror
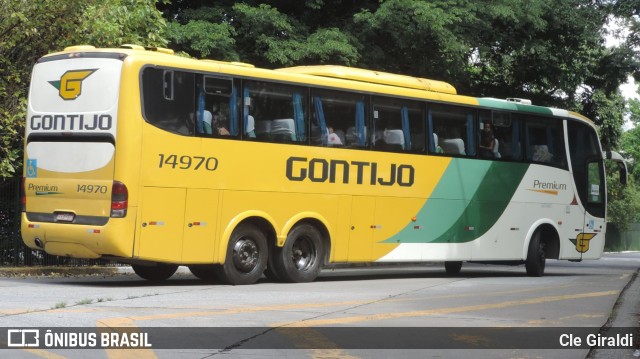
{"x": 624, "y": 174}
{"x": 622, "y": 165}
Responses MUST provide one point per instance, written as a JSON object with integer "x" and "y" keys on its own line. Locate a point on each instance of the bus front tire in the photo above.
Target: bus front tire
{"x": 246, "y": 257}
{"x": 158, "y": 272}
{"x": 300, "y": 259}
{"x": 453, "y": 267}
{"x": 536, "y": 257}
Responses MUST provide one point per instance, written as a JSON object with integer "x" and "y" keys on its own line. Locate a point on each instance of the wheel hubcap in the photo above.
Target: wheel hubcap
{"x": 245, "y": 255}
{"x": 303, "y": 253}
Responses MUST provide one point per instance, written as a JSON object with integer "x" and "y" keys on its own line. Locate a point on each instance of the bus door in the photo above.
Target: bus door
{"x": 594, "y": 218}
{"x": 594, "y": 221}
{"x": 588, "y": 175}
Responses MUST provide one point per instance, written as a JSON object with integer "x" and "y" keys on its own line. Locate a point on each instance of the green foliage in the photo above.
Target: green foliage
{"x": 258, "y": 34}
{"x": 204, "y": 39}
{"x": 31, "y": 29}
{"x": 111, "y": 23}
{"x": 416, "y": 37}
{"x": 630, "y": 141}
{"x": 623, "y": 201}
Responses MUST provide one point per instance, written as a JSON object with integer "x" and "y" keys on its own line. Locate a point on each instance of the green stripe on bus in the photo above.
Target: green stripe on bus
{"x": 469, "y": 199}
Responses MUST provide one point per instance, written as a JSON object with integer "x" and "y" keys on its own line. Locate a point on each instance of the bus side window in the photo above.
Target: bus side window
{"x": 217, "y": 107}
{"x": 275, "y": 112}
{"x": 507, "y": 132}
{"x": 169, "y": 99}
{"x": 397, "y": 125}
{"x": 339, "y": 119}
{"x": 453, "y": 127}
{"x": 544, "y": 141}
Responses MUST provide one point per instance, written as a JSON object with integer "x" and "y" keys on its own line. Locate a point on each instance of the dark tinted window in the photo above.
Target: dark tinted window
{"x": 169, "y": 99}
{"x": 275, "y": 112}
{"x": 217, "y": 107}
{"x": 544, "y": 141}
{"x": 339, "y": 119}
{"x": 499, "y": 135}
{"x": 452, "y": 130}
{"x": 586, "y": 164}
{"x": 398, "y": 125}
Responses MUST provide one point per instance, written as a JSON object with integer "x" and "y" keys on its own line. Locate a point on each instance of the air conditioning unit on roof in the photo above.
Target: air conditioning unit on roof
{"x": 522, "y": 101}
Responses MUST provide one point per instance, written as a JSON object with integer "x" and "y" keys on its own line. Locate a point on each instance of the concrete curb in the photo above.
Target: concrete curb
{"x": 625, "y": 314}
{"x": 56, "y": 271}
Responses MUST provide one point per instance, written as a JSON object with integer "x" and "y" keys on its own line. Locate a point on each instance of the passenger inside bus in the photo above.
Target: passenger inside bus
{"x": 219, "y": 124}
{"x": 488, "y": 142}
{"x": 334, "y": 138}
{"x": 213, "y": 122}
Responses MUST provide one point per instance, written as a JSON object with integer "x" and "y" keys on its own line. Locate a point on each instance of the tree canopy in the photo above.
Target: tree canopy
{"x": 31, "y": 29}
{"x": 552, "y": 52}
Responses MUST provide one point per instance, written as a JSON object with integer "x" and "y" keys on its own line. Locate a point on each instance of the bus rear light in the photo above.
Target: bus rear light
{"x": 119, "y": 200}
{"x": 23, "y": 196}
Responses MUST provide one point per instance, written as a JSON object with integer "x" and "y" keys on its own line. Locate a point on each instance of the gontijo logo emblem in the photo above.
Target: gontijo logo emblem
{"x": 70, "y": 84}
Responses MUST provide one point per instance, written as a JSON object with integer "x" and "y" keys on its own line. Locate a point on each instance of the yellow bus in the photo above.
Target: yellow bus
{"x": 139, "y": 156}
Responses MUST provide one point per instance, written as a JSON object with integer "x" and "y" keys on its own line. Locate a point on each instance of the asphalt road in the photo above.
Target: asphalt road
{"x": 379, "y": 312}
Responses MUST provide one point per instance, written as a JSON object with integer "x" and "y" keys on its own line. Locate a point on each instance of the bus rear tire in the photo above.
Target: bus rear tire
{"x": 246, "y": 257}
{"x": 158, "y": 272}
{"x": 453, "y": 267}
{"x": 300, "y": 259}
{"x": 206, "y": 272}
{"x": 536, "y": 257}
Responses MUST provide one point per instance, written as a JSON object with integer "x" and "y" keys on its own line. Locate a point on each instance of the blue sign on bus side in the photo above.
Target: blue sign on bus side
{"x": 32, "y": 168}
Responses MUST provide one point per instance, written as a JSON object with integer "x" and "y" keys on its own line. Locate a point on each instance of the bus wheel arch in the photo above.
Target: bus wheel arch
{"x": 304, "y": 253}
{"x": 544, "y": 243}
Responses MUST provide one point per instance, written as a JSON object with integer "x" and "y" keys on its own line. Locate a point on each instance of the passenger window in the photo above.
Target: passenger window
{"x": 451, "y": 130}
{"x": 544, "y": 141}
{"x": 217, "y": 107}
{"x": 338, "y": 119}
{"x": 397, "y": 125}
{"x": 275, "y": 112}
{"x": 169, "y": 100}
{"x": 499, "y": 135}
{"x": 509, "y": 135}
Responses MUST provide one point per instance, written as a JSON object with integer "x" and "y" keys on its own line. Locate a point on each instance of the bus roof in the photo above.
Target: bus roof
{"x": 371, "y": 76}
{"x": 340, "y": 77}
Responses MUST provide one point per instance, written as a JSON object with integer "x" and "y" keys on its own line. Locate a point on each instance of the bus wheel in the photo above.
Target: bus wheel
{"x": 205, "y": 272}
{"x": 536, "y": 257}
{"x": 300, "y": 259}
{"x": 246, "y": 256}
{"x": 453, "y": 267}
{"x": 158, "y": 272}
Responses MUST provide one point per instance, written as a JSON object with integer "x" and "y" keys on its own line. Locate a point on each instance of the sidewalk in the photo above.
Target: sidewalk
{"x": 625, "y": 314}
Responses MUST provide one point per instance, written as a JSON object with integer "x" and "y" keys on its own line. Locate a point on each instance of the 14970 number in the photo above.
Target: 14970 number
{"x": 188, "y": 162}
{"x": 88, "y": 188}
